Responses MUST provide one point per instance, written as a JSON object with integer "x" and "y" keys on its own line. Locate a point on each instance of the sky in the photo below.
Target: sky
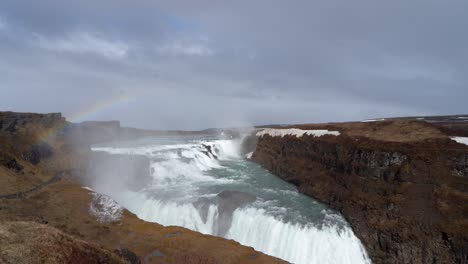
{"x": 200, "y": 64}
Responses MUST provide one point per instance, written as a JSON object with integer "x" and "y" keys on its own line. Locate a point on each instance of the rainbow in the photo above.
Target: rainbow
{"x": 86, "y": 113}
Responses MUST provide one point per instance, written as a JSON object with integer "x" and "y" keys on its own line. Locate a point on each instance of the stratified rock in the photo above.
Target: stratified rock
{"x": 402, "y": 185}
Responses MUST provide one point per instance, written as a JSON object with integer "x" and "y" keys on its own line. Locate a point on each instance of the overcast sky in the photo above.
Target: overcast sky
{"x": 198, "y": 64}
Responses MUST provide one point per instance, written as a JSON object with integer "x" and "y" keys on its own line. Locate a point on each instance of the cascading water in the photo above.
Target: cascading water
{"x": 205, "y": 185}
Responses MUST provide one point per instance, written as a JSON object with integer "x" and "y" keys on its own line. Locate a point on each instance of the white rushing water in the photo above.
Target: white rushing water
{"x": 204, "y": 184}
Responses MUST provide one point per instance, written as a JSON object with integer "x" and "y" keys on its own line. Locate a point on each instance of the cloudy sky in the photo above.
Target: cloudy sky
{"x": 197, "y": 64}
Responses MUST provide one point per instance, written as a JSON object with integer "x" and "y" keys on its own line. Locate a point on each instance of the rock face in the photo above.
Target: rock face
{"x": 12, "y": 121}
{"x": 406, "y": 200}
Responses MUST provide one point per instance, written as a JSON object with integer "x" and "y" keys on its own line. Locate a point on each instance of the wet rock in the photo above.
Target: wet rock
{"x": 209, "y": 151}
{"x": 228, "y": 202}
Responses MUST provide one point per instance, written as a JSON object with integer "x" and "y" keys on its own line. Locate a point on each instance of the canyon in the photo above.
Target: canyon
{"x": 401, "y": 183}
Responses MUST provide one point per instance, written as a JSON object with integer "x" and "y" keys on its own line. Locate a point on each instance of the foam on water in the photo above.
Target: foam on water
{"x": 186, "y": 181}
{"x": 294, "y": 242}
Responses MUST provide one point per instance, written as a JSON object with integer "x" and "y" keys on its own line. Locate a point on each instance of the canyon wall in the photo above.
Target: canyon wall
{"x": 405, "y": 196}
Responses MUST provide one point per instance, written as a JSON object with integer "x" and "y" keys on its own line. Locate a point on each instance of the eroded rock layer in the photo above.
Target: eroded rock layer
{"x": 402, "y": 184}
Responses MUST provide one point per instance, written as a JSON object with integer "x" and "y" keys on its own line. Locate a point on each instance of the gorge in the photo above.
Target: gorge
{"x": 402, "y": 183}
{"x": 383, "y": 191}
{"x": 204, "y": 184}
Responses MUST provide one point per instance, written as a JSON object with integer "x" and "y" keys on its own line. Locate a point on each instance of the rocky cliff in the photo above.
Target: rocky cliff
{"x": 402, "y": 184}
{"x": 47, "y": 216}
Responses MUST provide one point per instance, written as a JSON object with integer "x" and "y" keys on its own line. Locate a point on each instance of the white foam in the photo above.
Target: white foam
{"x": 249, "y": 155}
{"x": 461, "y": 140}
{"x": 295, "y": 132}
{"x": 293, "y": 242}
{"x": 254, "y": 227}
{"x": 179, "y": 165}
{"x": 179, "y": 214}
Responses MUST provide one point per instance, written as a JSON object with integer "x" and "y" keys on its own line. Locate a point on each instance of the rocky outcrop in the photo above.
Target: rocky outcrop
{"x": 14, "y": 122}
{"x": 106, "y": 209}
{"x": 406, "y": 200}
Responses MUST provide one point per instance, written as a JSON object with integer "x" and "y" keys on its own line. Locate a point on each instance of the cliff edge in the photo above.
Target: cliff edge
{"x": 401, "y": 183}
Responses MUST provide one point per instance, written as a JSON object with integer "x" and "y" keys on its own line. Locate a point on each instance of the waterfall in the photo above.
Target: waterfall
{"x": 205, "y": 185}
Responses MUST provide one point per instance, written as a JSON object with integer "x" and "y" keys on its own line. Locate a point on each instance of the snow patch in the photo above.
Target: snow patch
{"x": 372, "y": 120}
{"x": 106, "y": 209}
{"x": 296, "y": 132}
{"x": 461, "y": 140}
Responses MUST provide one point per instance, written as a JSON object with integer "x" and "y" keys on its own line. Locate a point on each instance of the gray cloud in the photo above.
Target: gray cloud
{"x": 209, "y": 63}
